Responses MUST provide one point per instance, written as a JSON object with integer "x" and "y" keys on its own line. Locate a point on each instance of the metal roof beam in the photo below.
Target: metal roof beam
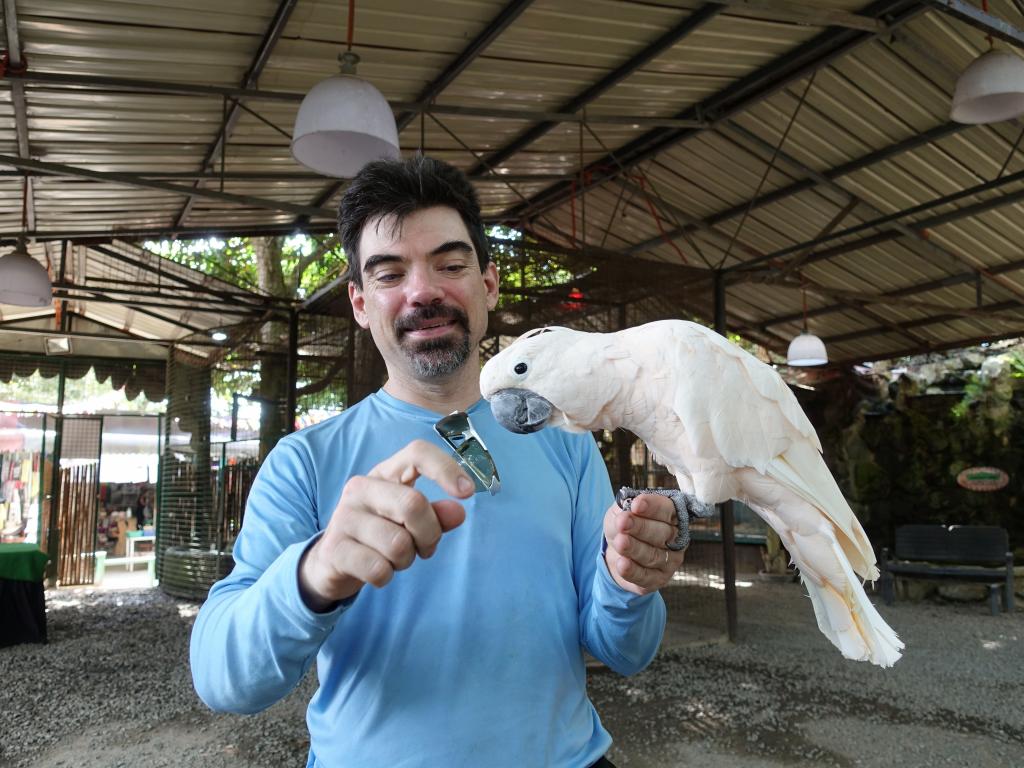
{"x": 953, "y": 260}
{"x": 877, "y": 222}
{"x": 15, "y": 61}
{"x": 848, "y": 300}
{"x": 959, "y": 344}
{"x": 741, "y": 95}
{"x": 799, "y": 13}
{"x": 195, "y": 285}
{"x": 921, "y": 224}
{"x": 130, "y": 85}
{"x": 487, "y": 35}
{"x": 270, "y": 38}
{"x": 62, "y": 293}
{"x": 83, "y": 334}
{"x": 667, "y": 40}
{"x": 74, "y": 292}
{"x": 129, "y": 234}
{"x": 520, "y": 178}
{"x": 128, "y": 179}
{"x": 895, "y": 295}
{"x": 921, "y": 323}
{"x": 979, "y": 19}
{"x": 832, "y": 174}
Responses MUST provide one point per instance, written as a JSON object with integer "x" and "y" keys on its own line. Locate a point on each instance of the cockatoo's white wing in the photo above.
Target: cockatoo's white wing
{"x": 734, "y": 406}
{"x": 803, "y": 471}
{"x": 739, "y": 408}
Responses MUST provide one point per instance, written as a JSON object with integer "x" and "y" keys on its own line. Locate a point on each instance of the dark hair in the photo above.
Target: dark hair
{"x": 398, "y": 188}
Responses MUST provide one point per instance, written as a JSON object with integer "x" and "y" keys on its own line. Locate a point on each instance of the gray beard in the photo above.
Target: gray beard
{"x": 443, "y": 357}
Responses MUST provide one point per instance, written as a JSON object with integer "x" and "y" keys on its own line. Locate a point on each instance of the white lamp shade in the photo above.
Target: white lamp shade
{"x": 807, "y": 349}
{"x": 990, "y": 90}
{"x": 23, "y": 280}
{"x": 343, "y": 124}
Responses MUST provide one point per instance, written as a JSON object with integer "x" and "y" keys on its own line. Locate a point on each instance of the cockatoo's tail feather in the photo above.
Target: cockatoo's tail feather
{"x": 844, "y": 613}
{"x": 727, "y": 426}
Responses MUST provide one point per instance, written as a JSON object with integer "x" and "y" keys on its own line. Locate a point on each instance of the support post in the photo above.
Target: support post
{"x": 293, "y": 370}
{"x": 350, "y": 367}
{"x": 234, "y": 416}
{"x": 53, "y": 532}
{"x": 622, "y": 441}
{"x": 726, "y": 511}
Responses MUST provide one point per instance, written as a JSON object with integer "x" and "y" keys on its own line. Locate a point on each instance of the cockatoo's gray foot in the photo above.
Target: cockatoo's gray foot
{"x": 686, "y": 505}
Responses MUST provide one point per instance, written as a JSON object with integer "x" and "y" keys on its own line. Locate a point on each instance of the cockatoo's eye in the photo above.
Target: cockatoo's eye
{"x": 520, "y": 368}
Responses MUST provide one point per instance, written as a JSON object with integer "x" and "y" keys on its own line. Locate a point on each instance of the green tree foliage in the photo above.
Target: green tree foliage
{"x": 521, "y": 268}
{"x": 307, "y": 262}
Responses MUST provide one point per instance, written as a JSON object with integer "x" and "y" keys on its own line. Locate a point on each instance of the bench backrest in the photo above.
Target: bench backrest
{"x": 968, "y": 544}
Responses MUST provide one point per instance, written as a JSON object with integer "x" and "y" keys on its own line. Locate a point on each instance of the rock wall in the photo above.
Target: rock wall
{"x": 897, "y": 438}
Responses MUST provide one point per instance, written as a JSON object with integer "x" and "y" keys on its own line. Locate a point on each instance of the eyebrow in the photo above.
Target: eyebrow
{"x": 452, "y": 245}
{"x": 447, "y": 247}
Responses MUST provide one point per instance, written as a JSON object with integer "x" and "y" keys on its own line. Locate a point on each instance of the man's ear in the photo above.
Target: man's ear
{"x": 491, "y": 283}
{"x": 355, "y": 295}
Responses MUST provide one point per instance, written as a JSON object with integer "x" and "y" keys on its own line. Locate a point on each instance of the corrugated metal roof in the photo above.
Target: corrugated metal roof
{"x": 907, "y": 283}
{"x": 133, "y": 295}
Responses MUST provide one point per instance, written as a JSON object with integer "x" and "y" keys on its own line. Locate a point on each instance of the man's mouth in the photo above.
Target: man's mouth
{"x": 429, "y": 330}
{"x": 431, "y": 322}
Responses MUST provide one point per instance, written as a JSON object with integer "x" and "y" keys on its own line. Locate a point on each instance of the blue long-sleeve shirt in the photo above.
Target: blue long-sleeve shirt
{"x": 473, "y": 657}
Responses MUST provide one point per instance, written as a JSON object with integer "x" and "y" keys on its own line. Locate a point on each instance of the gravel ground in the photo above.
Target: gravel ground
{"x": 112, "y": 689}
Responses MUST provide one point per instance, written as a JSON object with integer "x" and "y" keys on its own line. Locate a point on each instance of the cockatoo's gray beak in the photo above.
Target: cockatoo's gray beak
{"x": 520, "y": 410}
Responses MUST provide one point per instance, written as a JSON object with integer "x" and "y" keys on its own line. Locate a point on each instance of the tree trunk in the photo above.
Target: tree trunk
{"x": 273, "y": 387}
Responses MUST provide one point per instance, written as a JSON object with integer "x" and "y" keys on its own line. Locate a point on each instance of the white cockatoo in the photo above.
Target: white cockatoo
{"x": 726, "y": 425}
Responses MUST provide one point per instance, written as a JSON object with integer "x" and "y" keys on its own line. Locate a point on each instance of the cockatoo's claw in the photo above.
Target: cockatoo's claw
{"x": 686, "y": 505}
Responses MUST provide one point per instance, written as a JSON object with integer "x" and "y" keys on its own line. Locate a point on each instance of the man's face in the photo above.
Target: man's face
{"x": 423, "y": 298}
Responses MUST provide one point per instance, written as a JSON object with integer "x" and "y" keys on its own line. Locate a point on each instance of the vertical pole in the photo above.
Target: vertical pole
{"x": 293, "y": 369}
{"x": 622, "y": 441}
{"x": 221, "y": 502}
{"x": 234, "y": 416}
{"x": 350, "y": 369}
{"x": 53, "y": 532}
{"x": 726, "y": 509}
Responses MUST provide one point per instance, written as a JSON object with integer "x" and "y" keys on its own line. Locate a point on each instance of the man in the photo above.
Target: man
{"x": 448, "y": 627}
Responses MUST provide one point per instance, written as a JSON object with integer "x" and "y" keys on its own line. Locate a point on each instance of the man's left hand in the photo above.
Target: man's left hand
{"x": 637, "y": 556}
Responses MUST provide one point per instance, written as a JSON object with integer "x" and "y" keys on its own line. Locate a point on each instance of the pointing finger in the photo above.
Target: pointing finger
{"x": 422, "y": 458}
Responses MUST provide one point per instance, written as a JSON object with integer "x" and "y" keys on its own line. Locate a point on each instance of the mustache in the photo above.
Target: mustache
{"x": 414, "y": 319}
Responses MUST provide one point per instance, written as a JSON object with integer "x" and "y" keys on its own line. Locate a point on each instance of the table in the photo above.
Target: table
{"x": 130, "y": 547}
{"x": 22, "y": 597}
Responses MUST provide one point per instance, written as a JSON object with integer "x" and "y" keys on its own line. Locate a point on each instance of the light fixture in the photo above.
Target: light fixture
{"x": 806, "y": 349}
{"x": 219, "y": 336}
{"x": 58, "y": 345}
{"x": 990, "y": 90}
{"x": 344, "y": 122}
{"x": 23, "y": 280}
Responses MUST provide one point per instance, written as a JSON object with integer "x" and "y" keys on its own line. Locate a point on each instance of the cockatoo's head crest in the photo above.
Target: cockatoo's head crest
{"x": 526, "y": 383}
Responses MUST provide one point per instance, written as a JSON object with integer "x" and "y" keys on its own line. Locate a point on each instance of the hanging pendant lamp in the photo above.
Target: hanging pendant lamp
{"x": 24, "y": 282}
{"x": 806, "y": 349}
{"x": 990, "y": 90}
{"x": 344, "y": 122}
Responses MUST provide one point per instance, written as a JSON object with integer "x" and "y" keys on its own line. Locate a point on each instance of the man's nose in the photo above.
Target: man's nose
{"x": 424, "y": 288}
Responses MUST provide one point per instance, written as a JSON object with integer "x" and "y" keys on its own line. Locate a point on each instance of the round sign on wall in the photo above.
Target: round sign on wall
{"x": 983, "y": 479}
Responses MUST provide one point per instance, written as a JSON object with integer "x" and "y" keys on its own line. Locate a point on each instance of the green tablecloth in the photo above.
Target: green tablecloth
{"x": 22, "y": 562}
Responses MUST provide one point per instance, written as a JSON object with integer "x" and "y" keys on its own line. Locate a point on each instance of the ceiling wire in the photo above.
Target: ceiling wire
{"x": 768, "y": 170}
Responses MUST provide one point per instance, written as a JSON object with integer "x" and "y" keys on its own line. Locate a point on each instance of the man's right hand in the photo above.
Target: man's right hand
{"x": 381, "y": 523}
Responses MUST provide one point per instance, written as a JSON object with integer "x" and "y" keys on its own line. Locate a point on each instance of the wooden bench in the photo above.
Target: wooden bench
{"x": 956, "y": 553}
